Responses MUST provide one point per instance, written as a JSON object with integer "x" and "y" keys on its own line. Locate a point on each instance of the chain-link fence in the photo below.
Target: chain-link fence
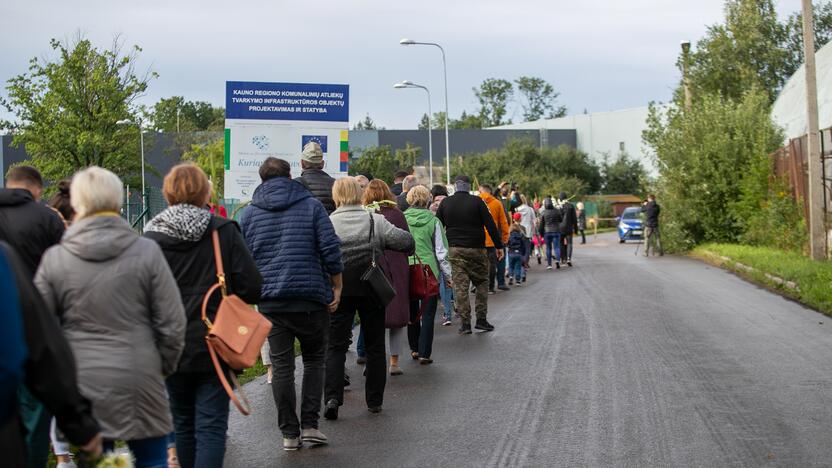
{"x": 138, "y": 212}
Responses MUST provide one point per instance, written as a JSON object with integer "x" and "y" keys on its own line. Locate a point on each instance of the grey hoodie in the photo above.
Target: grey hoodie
{"x": 122, "y": 314}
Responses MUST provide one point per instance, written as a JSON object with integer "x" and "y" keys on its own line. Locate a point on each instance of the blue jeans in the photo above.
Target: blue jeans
{"x": 447, "y": 294}
{"x": 515, "y": 266}
{"x": 149, "y": 453}
{"x": 552, "y": 246}
{"x": 199, "y": 406}
{"x": 359, "y": 345}
{"x": 501, "y": 271}
{"x": 420, "y": 333}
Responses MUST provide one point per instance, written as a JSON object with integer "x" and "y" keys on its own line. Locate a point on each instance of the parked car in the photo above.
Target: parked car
{"x": 630, "y": 225}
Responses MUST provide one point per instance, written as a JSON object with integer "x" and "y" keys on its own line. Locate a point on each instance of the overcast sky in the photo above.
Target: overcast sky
{"x": 600, "y": 54}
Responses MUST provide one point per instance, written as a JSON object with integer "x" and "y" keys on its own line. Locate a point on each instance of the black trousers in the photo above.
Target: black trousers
{"x": 311, "y": 329}
{"x": 492, "y": 267}
{"x": 372, "y": 323}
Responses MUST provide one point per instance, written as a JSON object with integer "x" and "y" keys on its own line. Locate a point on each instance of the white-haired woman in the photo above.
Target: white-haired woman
{"x": 122, "y": 314}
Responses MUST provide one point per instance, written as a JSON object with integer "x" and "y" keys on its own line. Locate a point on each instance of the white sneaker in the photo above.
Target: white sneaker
{"x": 290, "y": 444}
{"x": 313, "y": 436}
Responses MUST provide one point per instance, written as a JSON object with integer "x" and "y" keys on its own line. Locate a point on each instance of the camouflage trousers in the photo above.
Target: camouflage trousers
{"x": 470, "y": 266}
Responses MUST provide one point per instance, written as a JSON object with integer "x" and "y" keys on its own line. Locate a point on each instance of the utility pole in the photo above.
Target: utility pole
{"x": 685, "y": 79}
{"x": 817, "y": 226}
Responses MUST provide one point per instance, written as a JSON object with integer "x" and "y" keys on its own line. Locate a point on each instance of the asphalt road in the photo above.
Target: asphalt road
{"x": 619, "y": 361}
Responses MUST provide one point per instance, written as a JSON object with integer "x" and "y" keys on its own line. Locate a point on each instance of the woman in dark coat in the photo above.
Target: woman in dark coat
{"x": 378, "y": 195}
{"x": 198, "y": 400}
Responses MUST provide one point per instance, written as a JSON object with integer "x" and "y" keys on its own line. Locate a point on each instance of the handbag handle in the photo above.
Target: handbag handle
{"x": 215, "y": 239}
{"x": 244, "y": 406}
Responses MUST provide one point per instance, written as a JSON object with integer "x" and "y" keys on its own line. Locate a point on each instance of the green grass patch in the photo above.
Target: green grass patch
{"x": 259, "y": 369}
{"x": 812, "y": 279}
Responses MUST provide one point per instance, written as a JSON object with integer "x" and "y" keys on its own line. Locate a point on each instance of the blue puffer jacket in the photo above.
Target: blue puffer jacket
{"x": 292, "y": 241}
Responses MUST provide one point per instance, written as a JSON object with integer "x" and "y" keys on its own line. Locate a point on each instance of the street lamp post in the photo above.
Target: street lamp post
{"x": 141, "y": 144}
{"x": 685, "y": 80}
{"x": 407, "y": 42}
{"x": 409, "y": 84}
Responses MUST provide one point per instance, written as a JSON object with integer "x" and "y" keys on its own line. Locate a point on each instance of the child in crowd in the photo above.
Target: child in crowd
{"x": 516, "y": 253}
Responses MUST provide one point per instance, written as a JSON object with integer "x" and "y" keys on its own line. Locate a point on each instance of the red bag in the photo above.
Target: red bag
{"x": 423, "y": 284}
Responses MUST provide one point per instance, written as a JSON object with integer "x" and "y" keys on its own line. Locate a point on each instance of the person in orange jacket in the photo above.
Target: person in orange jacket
{"x": 496, "y": 267}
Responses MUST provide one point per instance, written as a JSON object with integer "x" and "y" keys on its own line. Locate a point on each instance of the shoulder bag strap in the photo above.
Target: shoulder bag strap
{"x": 372, "y": 235}
{"x": 215, "y": 238}
{"x": 244, "y": 406}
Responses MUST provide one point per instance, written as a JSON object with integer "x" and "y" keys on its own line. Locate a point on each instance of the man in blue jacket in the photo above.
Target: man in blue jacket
{"x": 298, "y": 254}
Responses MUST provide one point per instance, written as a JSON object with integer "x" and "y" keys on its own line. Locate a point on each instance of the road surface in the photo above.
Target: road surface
{"x": 619, "y": 361}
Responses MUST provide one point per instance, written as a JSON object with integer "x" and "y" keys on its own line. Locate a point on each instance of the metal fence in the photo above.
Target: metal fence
{"x": 138, "y": 213}
{"x": 791, "y": 164}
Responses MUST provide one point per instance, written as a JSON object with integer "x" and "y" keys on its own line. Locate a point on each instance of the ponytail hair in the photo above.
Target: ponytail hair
{"x": 61, "y": 201}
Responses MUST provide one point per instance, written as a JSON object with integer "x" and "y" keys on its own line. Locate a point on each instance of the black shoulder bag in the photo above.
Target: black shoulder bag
{"x": 374, "y": 277}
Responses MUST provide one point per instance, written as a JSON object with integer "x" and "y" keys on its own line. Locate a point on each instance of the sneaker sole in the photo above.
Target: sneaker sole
{"x": 315, "y": 441}
{"x": 484, "y": 329}
{"x": 466, "y": 332}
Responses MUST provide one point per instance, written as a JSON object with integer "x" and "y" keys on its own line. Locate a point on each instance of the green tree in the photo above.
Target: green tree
{"x": 714, "y": 165}
{"x": 190, "y": 115}
{"x": 211, "y": 158}
{"x": 624, "y": 175}
{"x": 536, "y": 171}
{"x": 377, "y": 161}
{"x": 466, "y": 121}
{"x": 794, "y": 34}
{"x": 494, "y": 95}
{"x": 65, "y": 110}
{"x": 540, "y": 99}
{"x": 425, "y": 122}
{"x": 366, "y": 124}
{"x": 746, "y": 52}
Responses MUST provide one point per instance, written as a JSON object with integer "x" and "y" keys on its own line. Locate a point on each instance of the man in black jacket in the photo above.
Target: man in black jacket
{"x": 50, "y": 376}
{"x": 464, "y": 216}
{"x": 313, "y": 176}
{"x": 398, "y": 178}
{"x": 30, "y": 228}
{"x": 568, "y": 227}
{"x": 27, "y": 225}
{"x": 401, "y": 199}
{"x": 651, "y": 211}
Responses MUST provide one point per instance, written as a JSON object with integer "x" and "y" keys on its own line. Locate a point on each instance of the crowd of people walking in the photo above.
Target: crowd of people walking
{"x": 106, "y": 340}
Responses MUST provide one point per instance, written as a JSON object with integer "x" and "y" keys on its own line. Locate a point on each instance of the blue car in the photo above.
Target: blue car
{"x": 630, "y": 225}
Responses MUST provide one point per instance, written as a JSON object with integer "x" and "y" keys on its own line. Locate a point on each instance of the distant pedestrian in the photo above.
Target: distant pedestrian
{"x": 652, "y": 210}
{"x": 466, "y": 219}
{"x": 437, "y": 193}
{"x": 394, "y": 264}
{"x": 122, "y": 314}
{"x": 352, "y": 225}
{"x": 527, "y": 218}
{"x": 432, "y": 250}
{"x": 398, "y": 178}
{"x": 314, "y": 178}
{"x": 184, "y": 230}
{"x": 549, "y": 229}
{"x": 408, "y": 183}
{"x": 60, "y": 202}
{"x": 296, "y": 250}
{"x": 581, "y": 212}
{"x": 30, "y": 228}
{"x": 497, "y": 270}
{"x": 516, "y": 253}
{"x": 568, "y": 227}
{"x": 446, "y": 293}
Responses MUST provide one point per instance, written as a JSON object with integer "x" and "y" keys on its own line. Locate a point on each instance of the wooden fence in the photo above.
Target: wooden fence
{"x": 791, "y": 163}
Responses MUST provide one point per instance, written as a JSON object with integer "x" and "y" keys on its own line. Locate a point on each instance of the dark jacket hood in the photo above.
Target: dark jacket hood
{"x": 279, "y": 193}
{"x": 12, "y": 197}
{"x": 99, "y": 238}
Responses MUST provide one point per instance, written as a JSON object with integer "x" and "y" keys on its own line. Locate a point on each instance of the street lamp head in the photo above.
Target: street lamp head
{"x": 400, "y": 85}
{"x": 685, "y": 46}
{"x": 406, "y": 41}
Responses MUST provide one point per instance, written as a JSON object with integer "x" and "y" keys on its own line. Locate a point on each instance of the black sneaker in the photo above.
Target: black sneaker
{"x": 465, "y": 329}
{"x": 557, "y": 265}
{"x": 331, "y": 411}
{"x": 482, "y": 324}
{"x": 569, "y": 262}
{"x": 504, "y": 288}
{"x": 374, "y": 409}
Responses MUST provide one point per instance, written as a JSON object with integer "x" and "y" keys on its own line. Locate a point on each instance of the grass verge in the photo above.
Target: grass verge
{"x": 788, "y": 273}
